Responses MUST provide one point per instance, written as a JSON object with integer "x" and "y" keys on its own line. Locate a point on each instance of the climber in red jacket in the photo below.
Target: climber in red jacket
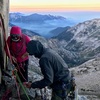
{"x": 17, "y": 43}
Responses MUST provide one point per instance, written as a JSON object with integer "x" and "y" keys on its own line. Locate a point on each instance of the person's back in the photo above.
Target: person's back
{"x": 54, "y": 69}
{"x": 60, "y": 68}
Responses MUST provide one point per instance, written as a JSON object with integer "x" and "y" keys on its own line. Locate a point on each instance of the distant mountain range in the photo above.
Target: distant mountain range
{"x": 59, "y": 30}
{"x": 44, "y": 25}
{"x": 77, "y": 44}
{"x": 33, "y": 18}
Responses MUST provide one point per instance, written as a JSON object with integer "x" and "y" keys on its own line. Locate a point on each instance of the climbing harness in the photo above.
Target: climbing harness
{"x": 68, "y": 90}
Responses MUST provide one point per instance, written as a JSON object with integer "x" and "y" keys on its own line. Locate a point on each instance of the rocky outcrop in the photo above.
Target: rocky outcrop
{"x": 87, "y": 77}
{"x": 4, "y": 10}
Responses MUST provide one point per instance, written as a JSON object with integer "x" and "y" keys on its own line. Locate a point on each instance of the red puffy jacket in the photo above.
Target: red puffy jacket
{"x": 18, "y": 49}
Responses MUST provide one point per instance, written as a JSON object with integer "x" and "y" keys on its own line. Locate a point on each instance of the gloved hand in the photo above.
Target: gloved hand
{"x": 14, "y": 59}
{"x": 14, "y": 72}
{"x": 27, "y": 84}
{"x": 25, "y": 55}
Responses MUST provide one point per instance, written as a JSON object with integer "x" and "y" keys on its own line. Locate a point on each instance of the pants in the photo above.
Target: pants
{"x": 58, "y": 95}
{"x": 23, "y": 70}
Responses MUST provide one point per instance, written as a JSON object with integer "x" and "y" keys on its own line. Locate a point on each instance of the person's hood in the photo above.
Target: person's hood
{"x": 16, "y": 31}
{"x": 35, "y": 48}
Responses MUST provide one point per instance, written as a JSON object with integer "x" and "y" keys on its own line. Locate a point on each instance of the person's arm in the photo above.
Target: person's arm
{"x": 27, "y": 39}
{"x": 47, "y": 72}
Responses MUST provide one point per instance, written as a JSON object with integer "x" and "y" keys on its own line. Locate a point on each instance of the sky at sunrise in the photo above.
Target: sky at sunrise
{"x": 54, "y": 5}
{"x": 76, "y": 9}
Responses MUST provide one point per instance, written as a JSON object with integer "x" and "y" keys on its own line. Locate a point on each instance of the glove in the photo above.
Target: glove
{"x": 27, "y": 84}
{"x": 14, "y": 59}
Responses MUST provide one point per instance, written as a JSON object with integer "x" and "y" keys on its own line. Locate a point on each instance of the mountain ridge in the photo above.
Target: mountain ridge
{"x": 41, "y": 24}
{"x": 80, "y": 43}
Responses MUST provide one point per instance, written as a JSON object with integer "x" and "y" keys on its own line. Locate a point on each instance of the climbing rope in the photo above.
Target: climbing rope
{"x": 16, "y": 83}
{"x": 16, "y": 75}
{"x": 20, "y": 70}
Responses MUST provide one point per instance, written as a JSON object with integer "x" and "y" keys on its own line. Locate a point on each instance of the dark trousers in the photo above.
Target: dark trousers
{"x": 55, "y": 95}
{"x": 23, "y": 70}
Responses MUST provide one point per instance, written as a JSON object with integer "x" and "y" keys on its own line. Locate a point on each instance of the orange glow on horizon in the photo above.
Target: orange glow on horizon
{"x": 54, "y": 5}
{"x": 55, "y": 8}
